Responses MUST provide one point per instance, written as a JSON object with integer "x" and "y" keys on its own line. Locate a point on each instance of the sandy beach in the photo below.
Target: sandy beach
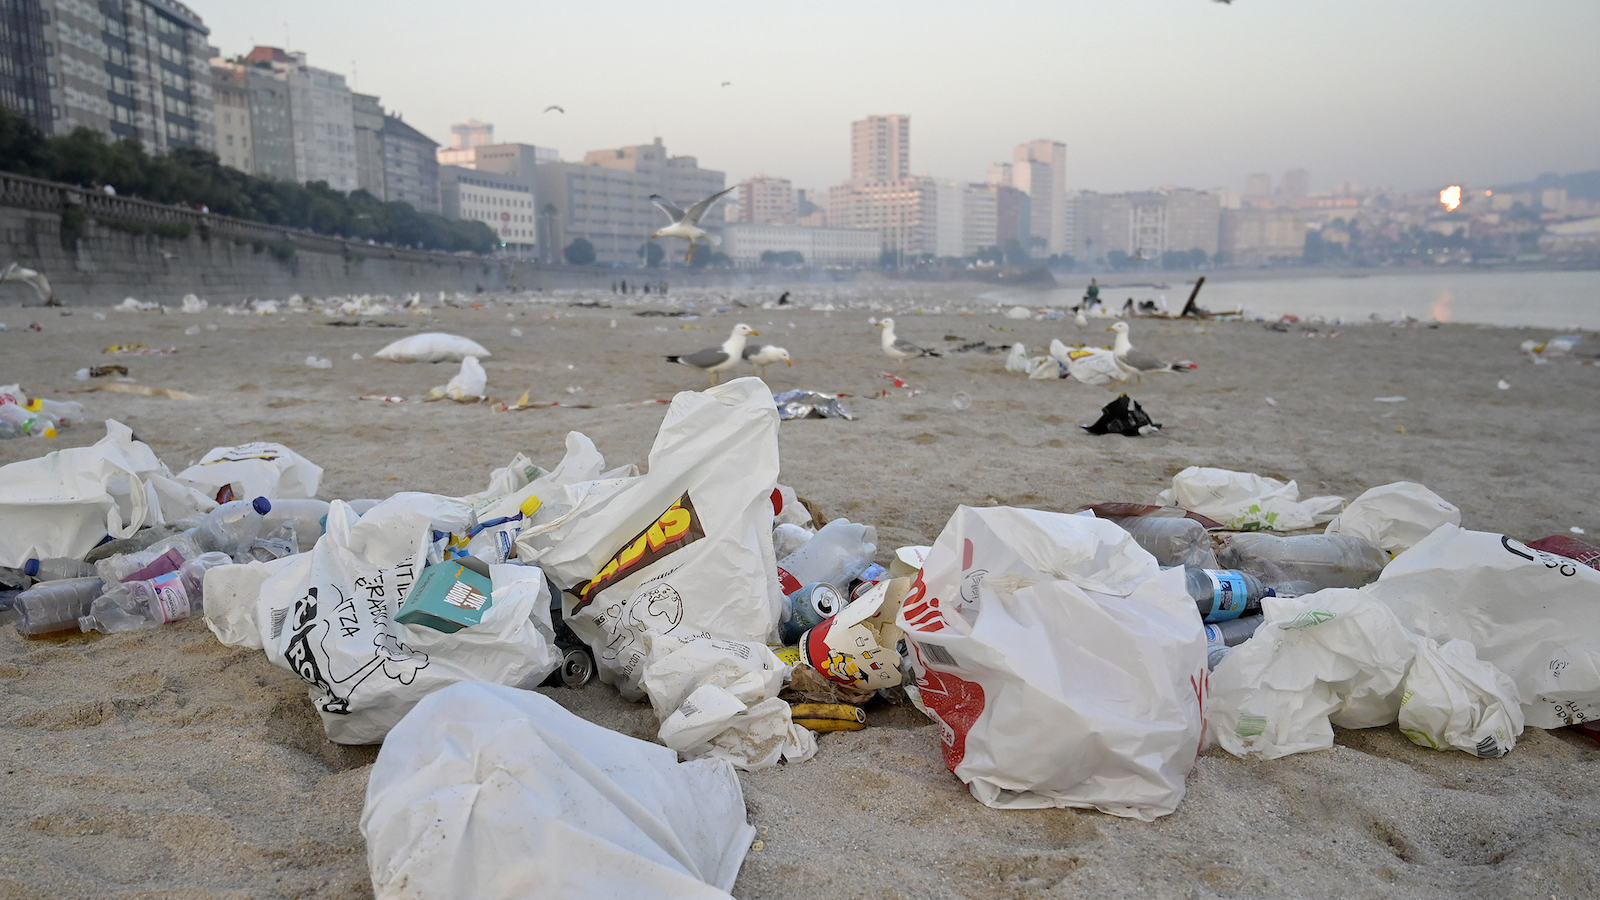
{"x": 165, "y": 764}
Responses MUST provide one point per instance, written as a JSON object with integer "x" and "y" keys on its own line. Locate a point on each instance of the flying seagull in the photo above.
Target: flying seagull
{"x": 686, "y": 225}
{"x": 1133, "y": 360}
{"x": 899, "y": 348}
{"x": 763, "y": 355}
{"x": 556, "y": 108}
{"x": 726, "y": 83}
{"x": 714, "y": 360}
{"x": 39, "y": 283}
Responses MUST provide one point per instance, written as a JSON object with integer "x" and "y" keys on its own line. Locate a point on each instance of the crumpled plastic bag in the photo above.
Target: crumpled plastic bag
{"x": 467, "y": 386}
{"x": 432, "y": 347}
{"x": 1242, "y": 501}
{"x": 1454, "y": 699}
{"x": 1090, "y": 365}
{"x": 1017, "y": 359}
{"x": 718, "y": 698}
{"x": 491, "y": 793}
{"x": 256, "y": 469}
{"x": 1336, "y": 657}
{"x": 1395, "y": 516}
{"x": 63, "y": 504}
{"x": 193, "y": 304}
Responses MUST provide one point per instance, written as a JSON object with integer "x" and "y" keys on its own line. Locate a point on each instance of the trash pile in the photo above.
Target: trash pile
{"x": 1070, "y": 659}
{"x": 24, "y": 416}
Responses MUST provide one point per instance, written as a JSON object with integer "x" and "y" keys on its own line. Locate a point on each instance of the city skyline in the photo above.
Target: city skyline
{"x": 1185, "y": 93}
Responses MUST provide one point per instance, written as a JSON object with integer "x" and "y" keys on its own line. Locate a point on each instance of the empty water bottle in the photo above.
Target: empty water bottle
{"x": 57, "y": 569}
{"x": 52, "y": 606}
{"x": 1233, "y": 632}
{"x": 65, "y": 413}
{"x": 837, "y": 554}
{"x": 166, "y": 598}
{"x": 16, "y": 422}
{"x": 233, "y": 526}
{"x": 161, "y": 557}
{"x": 1302, "y": 564}
{"x": 1223, "y": 594}
{"x": 786, "y": 539}
{"x": 1172, "y": 541}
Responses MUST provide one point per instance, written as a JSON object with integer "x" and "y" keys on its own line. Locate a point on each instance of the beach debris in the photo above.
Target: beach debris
{"x": 129, "y": 304}
{"x": 1123, "y": 416}
{"x": 1395, "y": 516}
{"x": 193, "y": 304}
{"x": 1503, "y": 385}
{"x": 316, "y": 362}
{"x": 960, "y": 400}
{"x": 858, "y": 647}
{"x": 719, "y": 698}
{"x": 467, "y": 386}
{"x": 89, "y": 372}
{"x": 810, "y": 405}
{"x": 139, "y": 350}
{"x": 143, "y": 390}
{"x": 1090, "y": 365}
{"x": 1143, "y": 721}
{"x": 432, "y": 347}
{"x": 255, "y": 469}
{"x": 526, "y": 782}
{"x": 1388, "y": 399}
{"x": 1242, "y": 501}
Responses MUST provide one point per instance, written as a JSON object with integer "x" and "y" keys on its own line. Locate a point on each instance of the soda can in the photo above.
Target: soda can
{"x": 806, "y": 608}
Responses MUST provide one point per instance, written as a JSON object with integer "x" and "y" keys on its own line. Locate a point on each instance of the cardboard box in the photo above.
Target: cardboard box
{"x": 450, "y": 596}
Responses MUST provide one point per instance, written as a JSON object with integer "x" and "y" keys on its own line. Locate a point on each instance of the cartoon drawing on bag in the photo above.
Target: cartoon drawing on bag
{"x": 397, "y": 661}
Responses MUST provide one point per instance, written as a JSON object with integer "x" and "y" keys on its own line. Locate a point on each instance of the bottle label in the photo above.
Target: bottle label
{"x": 1228, "y": 594}
{"x": 1214, "y": 636}
{"x": 172, "y": 601}
{"x": 788, "y": 583}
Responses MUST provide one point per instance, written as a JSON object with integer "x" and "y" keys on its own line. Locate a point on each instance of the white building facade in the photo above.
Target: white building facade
{"x": 745, "y": 242}
{"x": 504, "y": 204}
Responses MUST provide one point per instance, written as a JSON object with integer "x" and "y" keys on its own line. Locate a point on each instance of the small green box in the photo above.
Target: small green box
{"x": 449, "y": 596}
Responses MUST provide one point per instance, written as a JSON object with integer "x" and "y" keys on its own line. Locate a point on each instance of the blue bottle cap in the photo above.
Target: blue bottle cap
{"x": 30, "y": 568}
{"x": 261, "y": 505}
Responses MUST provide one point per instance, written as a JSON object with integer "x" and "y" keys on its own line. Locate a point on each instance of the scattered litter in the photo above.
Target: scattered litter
{"x": 139, "y": 350}
{"x": 1242, "y": 501}
{"x": 810, "y": 405}
{"x": 1271, "y": 402}
{"x": 1576, "y": 530}
{"x": 356, "y": 357}
{"x": 117, "y": 387}
{"x": 319, "y": 362}
{"x": 129, "y": 304}
{"x": 1123, "y": 416}
{"x": 192, "y": 330}
{"x": 1019, "y": 312}
{"x": 432, "y": 347}
{"x": 1388, "y": 399}
{"x": 193, "y": 304}
{"x": 85, "y": 374}
{"x": 1395, "y": 516}
{"x": 516, "y": 332}
{"x": 256, "y": 469}
{"x": 960, "y": 400}
{"x": 467, "y": 386}
{"x": 1504, "y": 385}
{"x": 382, "y": 398}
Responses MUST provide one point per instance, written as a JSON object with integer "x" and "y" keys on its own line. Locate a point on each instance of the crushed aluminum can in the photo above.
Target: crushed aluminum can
{"x": 810, "y": 405}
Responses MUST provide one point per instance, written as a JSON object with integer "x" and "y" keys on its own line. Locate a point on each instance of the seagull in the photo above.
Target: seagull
{"x": 40, "y": 284}
{"x": 1132, "y": 360}
{"x": 556, "y": 108}
{"x": 763, "y": 355}
{"x": 726, "y": 83}
{"x": 714, "y": 360}
{"x": 899, "y": 348}
{"x": 686, "y": 225}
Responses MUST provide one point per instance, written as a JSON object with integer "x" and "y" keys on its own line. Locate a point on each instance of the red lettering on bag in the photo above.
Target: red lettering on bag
{"x": 957, "y": 703}
{"x": 921, "y": 609}
{"x": 777, "y": 501}
{"x": 966, "y": 554}
{"x": 788, "y": 583}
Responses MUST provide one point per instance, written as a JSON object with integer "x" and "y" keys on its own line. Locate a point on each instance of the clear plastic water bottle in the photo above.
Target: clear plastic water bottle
{"x": 786, "y": 539}
{"x": 57, "y": 569}
{"x": 837, "y": 554}
{"x": 1223, "y": 594}
{"x": 21, "y": 422}
{"x": 133, "y": 605}
{"x": 232, "y": 527}
{"x": 1302, "y": 564}
{"x": 161, "y": 557}
{"x": 52, "y": 606}
{"x": 1222, "y": 637}
{"x": 65, "y": 413}
{"x": 1172, "y": 541}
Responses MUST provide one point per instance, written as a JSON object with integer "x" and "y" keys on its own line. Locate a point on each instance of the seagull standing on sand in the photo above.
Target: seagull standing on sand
{"x": 686, "y": 225}
{"x": 39, "y": 283}
{"x": 900, "y": 349}
{"x": 763, "y": 355}
{"x": 1132, "y": 360}
{"x": 714, "y": 360}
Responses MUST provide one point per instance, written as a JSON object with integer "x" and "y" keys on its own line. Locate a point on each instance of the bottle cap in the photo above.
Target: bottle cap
{"x": 30, "y": 568}
{"x": 530, "y": 506}
{"x": 261, "y": 505}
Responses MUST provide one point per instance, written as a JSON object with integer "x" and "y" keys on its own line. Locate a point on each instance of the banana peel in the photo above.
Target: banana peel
{"x": 822, "y": 717}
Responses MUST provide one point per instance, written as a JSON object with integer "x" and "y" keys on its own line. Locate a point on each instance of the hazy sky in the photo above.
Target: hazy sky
{"x": 1193, "y": 93}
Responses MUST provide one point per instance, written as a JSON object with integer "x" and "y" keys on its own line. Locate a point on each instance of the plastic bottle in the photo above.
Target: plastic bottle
{"x": 54, "y": 605}
{"x": 161, "y": 557}
{"x": 57, "y": 569}
{"x": 1233, "y": 632}
{"x": 787, "y": 538}
{"x": 133, "y": 605}
{"x": 841, "y": 551}
{"x": 1172, "y": 541}
{"x": 233, "y": 526}
{"x": 1305, "y": 563}
{"x": 1224, "y": 594}
{"x": 27, "y": 423}
{"x": 65, "y": 413}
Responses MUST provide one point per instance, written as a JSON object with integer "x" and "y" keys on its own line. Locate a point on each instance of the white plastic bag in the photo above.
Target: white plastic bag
{"x": 329, "y": 618}
{"x": 432, "y": 347}
{"x": 1534, "y": 615}
{"x": 257, "y": 469}
{"x": 1454, "y": 699}
{"x": 682, "y": 552}
{"x": 1090, "y": 365}
{"x": 1017, "y": 359}
{"x": 719, "y": 698}
{"x": 467, "y": 385}
{"x": 1242, "y": 501}
{"x": 1336, "y": 656}
{"x": 62, "y": 504}
{"x": 1395, "y": 516}
{"x": 490, "y": 793}
{"x": 1063, "y": 666}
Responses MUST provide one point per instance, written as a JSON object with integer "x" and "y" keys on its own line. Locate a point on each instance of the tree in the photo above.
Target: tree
{"x": 1118, "y": 260}
{"x": 579, "y": 253}
{"x": 782, "y": 258}
{"x": 652, "y": 253}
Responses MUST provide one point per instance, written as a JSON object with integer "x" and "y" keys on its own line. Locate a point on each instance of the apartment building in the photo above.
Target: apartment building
{"x": 321, "y": 117}
{"x": 366, "y": 119}
{"x": 504, "y": 204}
{"x": 410, "y": 166}
{"x": 230, "y": 95}
{"x": 1146, "y": 225}
{"x": 765, "y": 200}
{"x": 744, "y": 243}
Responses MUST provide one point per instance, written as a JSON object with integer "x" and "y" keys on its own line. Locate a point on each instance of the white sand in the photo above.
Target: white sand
{"x": 163, "y": 764}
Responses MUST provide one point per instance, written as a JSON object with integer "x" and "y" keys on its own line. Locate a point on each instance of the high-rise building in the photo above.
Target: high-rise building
{"x": 903, "y": 212}
{"x": 949, "y": 217}
{"x": 766, "y": 200}
{"x": 978, "y": 209}
{"x": 1295, "y": 185}
{"x": 471, "y": 133}
{"x": 1013, "y": 220}
{"x": 366, "y": 116}
{"x": 880, "y": 148}
{"x": 1257, "y": 186}
{"x": 1145, "y": 226}
{"x": 1039, "y": 169}
{"x": 271, "y": 133}
{"x": 230, "y": 96}
{"x": 1256, "y": 237}
{"x": 410, "y": 168}
{"x": 129, "y": 69}
{"x": 606, "y": 199}
{"x": 321, "y": 118}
